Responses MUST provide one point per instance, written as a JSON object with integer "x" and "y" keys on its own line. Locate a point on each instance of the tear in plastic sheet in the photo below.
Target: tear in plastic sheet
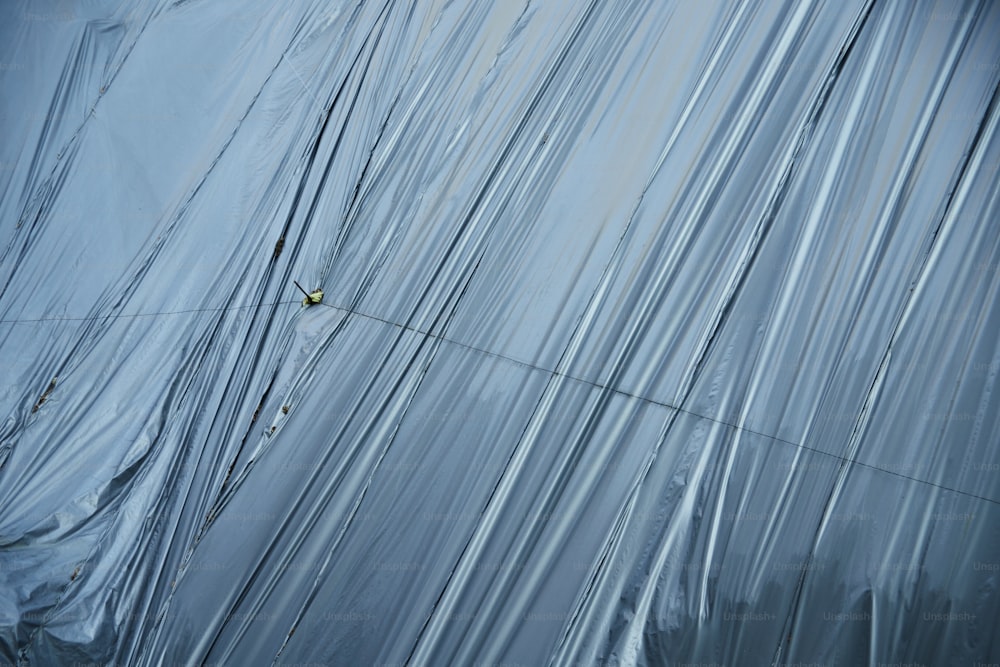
{"x": 658, "y": 333}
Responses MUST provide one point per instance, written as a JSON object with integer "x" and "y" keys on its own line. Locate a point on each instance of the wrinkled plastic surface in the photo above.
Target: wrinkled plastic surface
{"x": 653, "y": 332}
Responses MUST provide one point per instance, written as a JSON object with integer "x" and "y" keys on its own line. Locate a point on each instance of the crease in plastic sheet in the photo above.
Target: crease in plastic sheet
{"x": 653, "y": 333}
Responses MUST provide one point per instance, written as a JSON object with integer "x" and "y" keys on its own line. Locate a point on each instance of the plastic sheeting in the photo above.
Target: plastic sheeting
{"x": 654, "y": 333}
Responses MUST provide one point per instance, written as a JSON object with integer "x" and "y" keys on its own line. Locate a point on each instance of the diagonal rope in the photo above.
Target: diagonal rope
{"x": 525, "y": 364}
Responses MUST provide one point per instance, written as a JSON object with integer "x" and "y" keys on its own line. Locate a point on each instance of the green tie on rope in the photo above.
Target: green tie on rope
{"x": 316, "y": 296}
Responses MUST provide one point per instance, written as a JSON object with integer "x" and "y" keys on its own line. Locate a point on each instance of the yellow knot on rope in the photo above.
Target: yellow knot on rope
{"x": 316, "y": 296}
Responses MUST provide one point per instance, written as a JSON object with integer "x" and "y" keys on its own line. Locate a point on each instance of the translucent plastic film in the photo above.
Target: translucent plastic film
{"x": 650, "y": 332}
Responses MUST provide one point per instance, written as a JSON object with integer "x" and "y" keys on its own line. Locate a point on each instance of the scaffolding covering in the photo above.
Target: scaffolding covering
{"x": 650, "y": 332}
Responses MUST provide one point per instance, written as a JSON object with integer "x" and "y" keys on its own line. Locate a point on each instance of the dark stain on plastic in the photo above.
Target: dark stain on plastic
{"x": 45, "y": 395}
